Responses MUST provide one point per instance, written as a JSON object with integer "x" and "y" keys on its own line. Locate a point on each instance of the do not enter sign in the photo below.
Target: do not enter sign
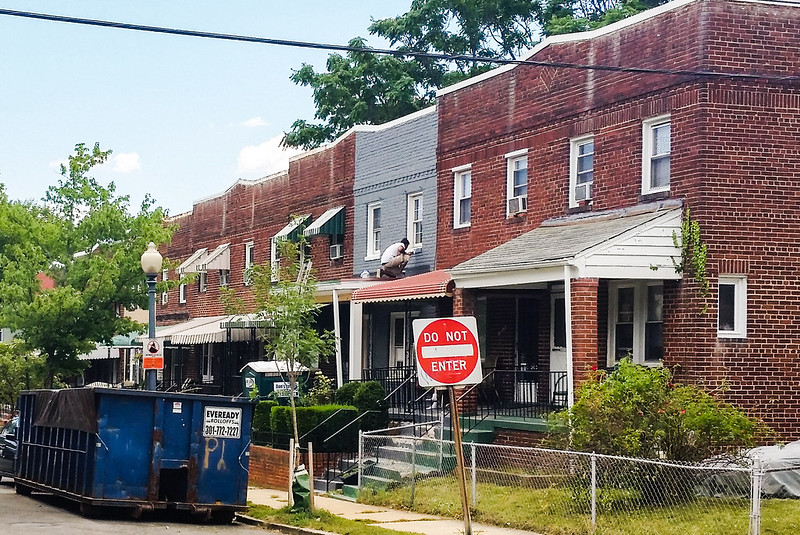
{"x": 447, "y": 351}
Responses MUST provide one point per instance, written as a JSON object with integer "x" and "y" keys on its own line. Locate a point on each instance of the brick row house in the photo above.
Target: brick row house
{"x": 543, "y": 199}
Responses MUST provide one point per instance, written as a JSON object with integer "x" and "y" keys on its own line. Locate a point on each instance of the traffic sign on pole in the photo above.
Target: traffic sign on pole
{"x": 153, "y": 355}
{"x": 447, "y": 351}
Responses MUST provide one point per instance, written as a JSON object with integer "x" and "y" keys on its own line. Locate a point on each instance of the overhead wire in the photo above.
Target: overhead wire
{"x": 391, "y": 52}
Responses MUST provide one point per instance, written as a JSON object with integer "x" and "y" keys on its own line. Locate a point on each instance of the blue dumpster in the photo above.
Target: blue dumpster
{"x": 144, "y": 450}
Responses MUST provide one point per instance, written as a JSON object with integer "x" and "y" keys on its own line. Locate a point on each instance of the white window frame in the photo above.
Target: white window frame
{"x": 459, "y": 195}
{"x": 202, "y": 281}
{"x": 739, "y": 283}
{"x": 224, "y": 277}
{"x": 414, "y": 218}
{"x": 275, "y": 258}
{"x": 165, "y": 293}
{"x": 373, "y": 232}
{"x": 574, "y": 157}
{"x": 648, "y": 127}
{"x": 511, "y": 159}
{"x": 639, "y": 319}
{"x": 182, "y": 293}
{"x": 249, "y": 260}
{"x": 207, "y": 363}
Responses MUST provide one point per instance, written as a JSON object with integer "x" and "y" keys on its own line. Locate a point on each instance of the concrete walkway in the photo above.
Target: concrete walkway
{"x": 393, "y": 519}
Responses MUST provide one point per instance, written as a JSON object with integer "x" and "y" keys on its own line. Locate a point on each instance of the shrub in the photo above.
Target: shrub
{"x": 316, "y": 424}
{"x": 366, "y": 396}
{"x": 262, "y": 427}
{"x": 638, "y": 411}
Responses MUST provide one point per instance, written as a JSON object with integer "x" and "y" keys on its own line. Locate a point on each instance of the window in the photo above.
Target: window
{"x": 208, "y": 362}
{"x": 636, "y": 322}
{"x": 656, "y": 142}
{"x": 202, "y": 281}
{"x": 275, "y": 258}
{"x": 373, "y": 231}
{"x": 732, "y": 307}
{"x": 164, "y": 294}
{"x": 182, "y": 293}
{"x": 249, "y": 260}
{"x": 517, "y": 182}
{"x": 581, "y": 170}
{"x": 462, "y": 197}
{"x": 414, "y": 226}
{"x": 224, "y": 277}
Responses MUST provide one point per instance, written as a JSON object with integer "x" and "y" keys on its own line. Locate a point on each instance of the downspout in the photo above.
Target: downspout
{"x": 568, "y": 322}
{"x": 337, "y": 332}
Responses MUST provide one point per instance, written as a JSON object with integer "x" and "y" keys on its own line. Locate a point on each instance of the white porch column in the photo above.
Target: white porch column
{"x": 568, "y": 320}
{"x": 337, "y": 331}
{"x": 356, "y": 343}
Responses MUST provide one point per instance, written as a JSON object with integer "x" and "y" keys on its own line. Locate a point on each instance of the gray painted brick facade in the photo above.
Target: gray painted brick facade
{"x": 393, "y": 161}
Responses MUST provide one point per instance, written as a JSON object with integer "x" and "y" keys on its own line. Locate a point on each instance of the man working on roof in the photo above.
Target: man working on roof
{"x": 394, "y": 259}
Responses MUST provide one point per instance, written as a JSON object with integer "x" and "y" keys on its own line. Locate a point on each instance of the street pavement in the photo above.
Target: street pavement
{"x": 393, "y": 519}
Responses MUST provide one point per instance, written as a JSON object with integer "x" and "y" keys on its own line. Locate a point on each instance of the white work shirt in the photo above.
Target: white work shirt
{"x": 392, "y": 251}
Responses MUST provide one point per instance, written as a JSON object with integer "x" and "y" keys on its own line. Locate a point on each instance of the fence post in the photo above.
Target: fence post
{"x": 474, "y": 476}
{"x": 360, "y": 457}
{"x": 756, "y": 473}
{"x": 413, "y": 468}
{"x": 594, "y": 490}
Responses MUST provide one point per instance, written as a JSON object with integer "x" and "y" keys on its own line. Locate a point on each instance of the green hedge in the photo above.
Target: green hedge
{"x": 308, "y": 418}
{"x": 366, "y": 396}
{"x": 262, "y": 426}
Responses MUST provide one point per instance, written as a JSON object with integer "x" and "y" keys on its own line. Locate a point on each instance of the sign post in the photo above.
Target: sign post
{"x": 448, "y": 355}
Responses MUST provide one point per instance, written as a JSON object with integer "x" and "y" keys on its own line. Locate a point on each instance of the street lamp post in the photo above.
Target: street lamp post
{"x": 151, "y": 264}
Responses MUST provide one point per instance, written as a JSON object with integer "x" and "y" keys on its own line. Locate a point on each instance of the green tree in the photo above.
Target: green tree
{"x": 84, "y": 239}
{"x": 364, "y": 88}
{"x": 20, "y": 369}
{"x": 284, "y": 300}
{"x": 638, "y": 411}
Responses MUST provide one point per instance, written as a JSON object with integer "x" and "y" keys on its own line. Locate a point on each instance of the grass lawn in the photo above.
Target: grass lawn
{"x": 555, "y": 511}
{"x": 321, "y": 520}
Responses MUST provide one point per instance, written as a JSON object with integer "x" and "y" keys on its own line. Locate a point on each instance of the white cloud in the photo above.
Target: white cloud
{"x": 255, "y": 122}
{"x": 266, "y": 158}
{"x": 125, "y": 162}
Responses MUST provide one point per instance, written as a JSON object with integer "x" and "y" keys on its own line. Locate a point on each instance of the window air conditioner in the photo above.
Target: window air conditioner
{"x": 517, "y": 205}
{"x": 336, "y": 251}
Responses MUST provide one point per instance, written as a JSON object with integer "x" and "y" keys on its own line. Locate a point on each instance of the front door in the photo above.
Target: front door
{"x": 558, "y": 349}
{"x": 397, "y": 342}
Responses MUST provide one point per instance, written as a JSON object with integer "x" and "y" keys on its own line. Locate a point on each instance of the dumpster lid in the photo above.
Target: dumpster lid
{"x": 271, "y": 366}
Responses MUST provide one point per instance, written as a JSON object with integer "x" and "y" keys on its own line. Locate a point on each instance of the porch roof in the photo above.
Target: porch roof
{"x": 204, "y": 330}
{"x": 422, "y": 286}
{"x": 631, "y": 243}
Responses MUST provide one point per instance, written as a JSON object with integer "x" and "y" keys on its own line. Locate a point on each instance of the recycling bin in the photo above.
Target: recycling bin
{"x": 143, "y": 450}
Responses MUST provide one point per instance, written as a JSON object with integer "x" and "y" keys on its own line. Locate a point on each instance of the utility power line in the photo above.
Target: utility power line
{"x": 390, "y": 52}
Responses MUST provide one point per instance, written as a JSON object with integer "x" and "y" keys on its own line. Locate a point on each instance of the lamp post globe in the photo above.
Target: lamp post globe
{"x": 151, "y": 265}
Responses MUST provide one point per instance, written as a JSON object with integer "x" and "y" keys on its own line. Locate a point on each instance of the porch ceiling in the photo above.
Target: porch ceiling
{"x": 633, "y": 243}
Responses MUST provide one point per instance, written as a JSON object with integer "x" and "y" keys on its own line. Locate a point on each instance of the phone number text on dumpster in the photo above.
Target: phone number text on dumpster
{"x": 222, "y": 422}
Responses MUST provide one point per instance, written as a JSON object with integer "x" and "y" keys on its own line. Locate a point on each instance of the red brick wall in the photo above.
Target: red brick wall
{"x": 584, "y": 327}
{"x": 256, "y": 211}
{"x": 269, "y": 468}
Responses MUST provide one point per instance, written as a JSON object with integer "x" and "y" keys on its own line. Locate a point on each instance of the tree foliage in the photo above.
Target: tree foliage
{"x": 638, "y": 411}
{"x": 364, "y": 88}
{"x": 84, "y": 239}
{"x": 20, "y": 369}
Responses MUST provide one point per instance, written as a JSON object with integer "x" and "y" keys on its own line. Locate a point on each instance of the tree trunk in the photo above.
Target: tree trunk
{"x": 292, "y": 383}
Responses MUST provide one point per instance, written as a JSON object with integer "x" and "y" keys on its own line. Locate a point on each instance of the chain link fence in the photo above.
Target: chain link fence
{"x": 557, "y": 492}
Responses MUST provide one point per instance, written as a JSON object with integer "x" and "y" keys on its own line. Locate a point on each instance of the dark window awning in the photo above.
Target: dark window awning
{"x": 292, "y": 230}
{"x": 331, "y": 222}
{"x": 424, "y": 286}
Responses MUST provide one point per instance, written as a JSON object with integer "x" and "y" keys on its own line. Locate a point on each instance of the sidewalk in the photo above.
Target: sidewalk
{"x": 381, "y": 516}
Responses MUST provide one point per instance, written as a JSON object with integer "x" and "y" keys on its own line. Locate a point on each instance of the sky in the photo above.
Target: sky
{"x": 185, "y": 117}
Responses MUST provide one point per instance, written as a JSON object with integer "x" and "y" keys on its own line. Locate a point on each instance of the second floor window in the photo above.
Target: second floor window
{"x": 517, "y": 182}
{"x": 164, "y": 294}
{"x": 732, "y": 307}
{"x": 224, "y": 277}
{"x": 249, "y": 260}
{"x": 656, "y": 147}
{"x": 182, "y": 293}
{"x": 202, "y": 281}
{"x": 581, "y": 170}
{"x": 373, "y": 230}
{"x": 462, "y": 197}
{"x": 414, "y": 229}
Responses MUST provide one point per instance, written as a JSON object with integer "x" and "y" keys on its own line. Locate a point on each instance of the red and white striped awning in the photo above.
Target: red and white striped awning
{"x": 423, "y": 286}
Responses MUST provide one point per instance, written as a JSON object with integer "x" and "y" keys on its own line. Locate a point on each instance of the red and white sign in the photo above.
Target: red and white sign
{"x": 153, "y": 355}
{"x": 447, "y": 351}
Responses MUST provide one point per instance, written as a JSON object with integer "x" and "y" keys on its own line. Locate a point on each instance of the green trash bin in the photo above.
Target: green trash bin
{"x": 270, "y": 380}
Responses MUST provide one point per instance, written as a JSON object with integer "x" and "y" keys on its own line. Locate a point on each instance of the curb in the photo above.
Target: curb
{"x": 282, "y": 528}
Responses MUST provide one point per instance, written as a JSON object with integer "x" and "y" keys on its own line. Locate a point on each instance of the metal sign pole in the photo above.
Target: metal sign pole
{"x": 462, "y": 473}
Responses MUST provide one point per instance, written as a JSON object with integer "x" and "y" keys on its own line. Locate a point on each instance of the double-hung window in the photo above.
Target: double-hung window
{"x": 516, "y": 182}
{"x": 462, "y": 196}
{"x": 581, "y": 170}
{"x": 373, "y": 231}
{"x": 656, "y": 146}
{"x": 249, "y": 260}
{"x": 182, "y": 293}
{"x": 414, "y": 224}
{"x": 208, "y": 363}
{"x": 636, "y": 322}
{"x": 202, "y": 281}
{"x": 165, "y": 293}
{"x": 224, "y": 277}
{"x": 732, "y": 307}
